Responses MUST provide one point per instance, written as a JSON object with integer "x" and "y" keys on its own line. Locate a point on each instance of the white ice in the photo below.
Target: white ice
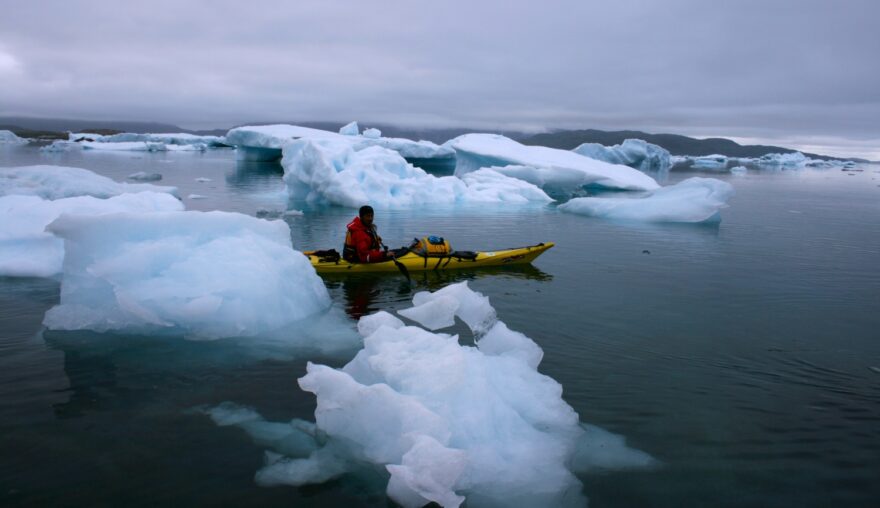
{"x": 692, "y": 200}
{"x": 447, "y": 422}
{"x": 61, "y": 146}
{"x": 635, "y": 153}
{"x": 27, "y": 250}
{"x": 739, "y": 170}
{"x": 557, "y": 168}
{"x": 200, "y": 275}
{"x": 709, "y": 162}
{"x": 350, "y": 129}
{"x": 372, "y": 133}
{"x": 178, "y": 138}
{"x": 54, "y": 182}
{"x": 275, "y": 137}
{"x": 327, "y": 171}
{"x": 9, "y": 138}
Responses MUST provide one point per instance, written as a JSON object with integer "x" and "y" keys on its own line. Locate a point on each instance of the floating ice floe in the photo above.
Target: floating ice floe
{"x": 204, "y": 275}
{"x": 121, "y": 146}
{"x": 327, "y": 171}
{"x": 142, "y": 176}
{"x": 58, "y": 146}
{"x": 27, "y": 250}
{"x": 692, "y": 200}
{"x": 139, "y": 146}
{"x": 444, "y": 421}
{"x": 739, "y": 170}
{"x": 711, "y": 162}
{"x": 9, "y": 138}
{"x": 635, "y": 153}
{"x": 54, "y": 182}
{"x": 175, "y": 139}
{"x": 552, "y": 167}
{"x": 795, "y": 160}
{"x": 264, "y": 142}
{"x": 770, "y": 161}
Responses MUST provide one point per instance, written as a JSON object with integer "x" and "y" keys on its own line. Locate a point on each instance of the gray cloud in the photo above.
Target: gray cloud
{"x": 767, "y": 70}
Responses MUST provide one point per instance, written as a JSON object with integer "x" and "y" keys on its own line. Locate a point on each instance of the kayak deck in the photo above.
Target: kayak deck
{"x": 415, "y": 263}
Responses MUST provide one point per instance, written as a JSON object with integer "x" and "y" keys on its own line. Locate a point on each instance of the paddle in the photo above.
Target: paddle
{"x": 400, "y": 266}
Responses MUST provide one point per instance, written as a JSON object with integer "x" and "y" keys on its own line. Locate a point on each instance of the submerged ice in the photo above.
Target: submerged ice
{"x": 692, "y": 200}
{"x": 326, "y": 171}
{"x": 202, "y": 275}
{"x": 446, "y": 422}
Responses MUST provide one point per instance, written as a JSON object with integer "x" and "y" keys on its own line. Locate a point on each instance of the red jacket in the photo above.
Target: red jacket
{"x": 362, "y": 243}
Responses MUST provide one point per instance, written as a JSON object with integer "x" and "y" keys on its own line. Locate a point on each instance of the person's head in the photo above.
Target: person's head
{"x": 366, "y": 214}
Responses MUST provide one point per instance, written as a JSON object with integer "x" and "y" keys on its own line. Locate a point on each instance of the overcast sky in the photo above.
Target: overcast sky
{"x": 801, "y": 73}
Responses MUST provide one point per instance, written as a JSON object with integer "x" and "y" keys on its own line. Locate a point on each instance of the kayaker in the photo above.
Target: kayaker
{"x": 362, "y": 243}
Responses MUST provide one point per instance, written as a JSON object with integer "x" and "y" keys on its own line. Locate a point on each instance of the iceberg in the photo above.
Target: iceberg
{"x": 178, "y": 139}
{"x": 9, "y": 138}
{"x": 709, "y": 162}
{"x": 783, "y": 160}
{"x": 201, "y": 275}
{"x": 635, "y": 153}
{"x": 327, "y": 171}
{"x": 557, "y": 168}
{"x": 27, "y": 250}
{"x": 350, "y": 129}
{"x": 692, "y": 200}
{"x": 55, "y": 182}
{"x": 265, "y": 142}
{"x": 446, "y": 422}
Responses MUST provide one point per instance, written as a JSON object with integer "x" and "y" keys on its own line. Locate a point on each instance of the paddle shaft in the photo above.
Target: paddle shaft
{"x": 400, "y": 266}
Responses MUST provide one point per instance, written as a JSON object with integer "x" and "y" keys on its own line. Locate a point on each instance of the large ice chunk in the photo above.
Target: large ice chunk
{"x": 328, "y": 171}
{"x": 54, "y": 182}
{"x": 692, "y": 200}
{"x": 9, "y": 138}
{"x": 557, "y": 167}
{"x": 203, "y": 275}
{"x": 27, "y": 250}
{"x": 635, "y": 153}
{"x": 447, "y": 422}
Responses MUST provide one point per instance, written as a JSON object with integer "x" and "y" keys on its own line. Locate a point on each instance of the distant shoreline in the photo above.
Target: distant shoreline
{"x": 50, "y": 129}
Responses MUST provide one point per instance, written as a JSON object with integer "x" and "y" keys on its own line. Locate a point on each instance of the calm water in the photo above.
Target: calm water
{"x": 744, "y": 356}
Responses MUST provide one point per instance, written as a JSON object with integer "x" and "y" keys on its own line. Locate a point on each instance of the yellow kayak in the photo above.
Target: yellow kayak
{"x": 415, "y": 262}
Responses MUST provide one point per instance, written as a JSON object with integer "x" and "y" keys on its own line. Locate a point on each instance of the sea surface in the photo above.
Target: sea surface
{"x": 744, "y": 356}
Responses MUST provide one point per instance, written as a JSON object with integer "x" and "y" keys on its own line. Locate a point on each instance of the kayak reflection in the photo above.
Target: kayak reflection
{"x": 364, "y": 294}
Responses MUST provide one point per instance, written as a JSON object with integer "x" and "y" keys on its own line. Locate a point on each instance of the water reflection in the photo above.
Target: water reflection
{"x": 364, "y": 294}
{"x": 250, "y": 175}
